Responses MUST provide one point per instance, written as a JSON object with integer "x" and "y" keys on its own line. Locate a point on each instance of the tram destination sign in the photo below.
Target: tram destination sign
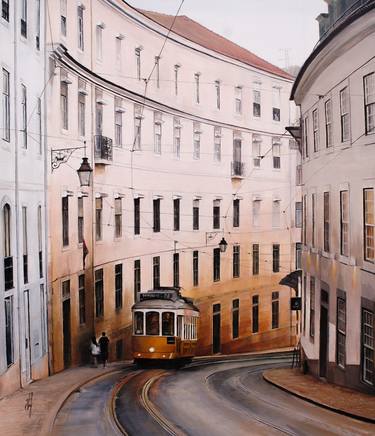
{"x": 157, "y": 296}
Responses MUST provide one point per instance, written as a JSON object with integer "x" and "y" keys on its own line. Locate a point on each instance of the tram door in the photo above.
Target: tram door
{"x": 323, "y": 345}
{"x": 216, "y": 327}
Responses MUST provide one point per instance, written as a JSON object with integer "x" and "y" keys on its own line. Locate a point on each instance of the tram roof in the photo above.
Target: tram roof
{"x": 164, "y": 298}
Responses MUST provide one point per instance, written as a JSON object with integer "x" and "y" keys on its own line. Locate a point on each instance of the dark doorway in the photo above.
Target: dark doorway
{"x": 323, "y": 344}
{"x": 216, "y": 326}
{"x": 67, "y": 333}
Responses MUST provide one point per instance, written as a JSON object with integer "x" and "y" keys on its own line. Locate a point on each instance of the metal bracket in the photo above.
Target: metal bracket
{"x": 62, "y": 155}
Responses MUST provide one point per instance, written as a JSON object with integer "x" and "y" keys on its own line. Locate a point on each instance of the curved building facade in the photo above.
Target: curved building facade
{"x": 184, "y": 131}
{"x": 336, "y": 92}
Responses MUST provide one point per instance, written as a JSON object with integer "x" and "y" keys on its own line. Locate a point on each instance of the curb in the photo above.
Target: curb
{"x": 49, "y": 420}
{"x": 317, "y": 403}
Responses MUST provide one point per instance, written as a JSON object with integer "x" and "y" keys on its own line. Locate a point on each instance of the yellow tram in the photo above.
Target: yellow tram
{"x": 165, "y": 326}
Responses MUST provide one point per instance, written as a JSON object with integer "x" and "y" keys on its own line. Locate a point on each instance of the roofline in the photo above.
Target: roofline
{"x": 360, "y": 12}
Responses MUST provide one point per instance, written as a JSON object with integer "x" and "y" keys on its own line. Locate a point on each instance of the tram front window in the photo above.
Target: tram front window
{"x": 152, "y": 323}
{"x": 167, "y": 324}
{"x": 138, "y": 323}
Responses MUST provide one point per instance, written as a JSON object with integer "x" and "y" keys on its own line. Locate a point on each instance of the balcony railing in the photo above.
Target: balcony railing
{"x": 103, "y": 149}
{"x": 238, "y": 169}
{"x": 8, "y": 272}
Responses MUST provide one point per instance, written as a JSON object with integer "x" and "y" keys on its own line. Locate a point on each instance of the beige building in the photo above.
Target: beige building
{"x": 336, "y": 92}
{"x": 187, "y": 143}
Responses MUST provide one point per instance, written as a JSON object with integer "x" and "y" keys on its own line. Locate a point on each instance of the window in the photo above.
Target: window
{"x": 9, "y": 344}
{"x": 157, "y": 70}
{"x": 276, "y": 213}
{"x": 315, "y": 130}
{"x": 176, "y": 137}
{"x": 118, "y": 126}
{"x": 6, "y": 105}
{"x": 195, "y": 214}
{"x": 82, "y": 109}
{"x": 82, "y": 299}
{"x": 216, "y": 214}
{"x": 24, "y": 18}
{"x": 299, "y": 175}
{"x": 81, "y": 44}
{"x": 197, "y": 96}
{"x": 367, "y": 345}
{"x": 218, "y": 97}
{"x": 24, "y": 115}
{"x": 118, "y": 47}
{"x": 137, "y": 278}
{"x": 256, "y": 213}
{"x": 24, "y": 245}
{"x": 328, "y": 116}
{"x": 235, "y": 318}
{"x": 137, "y": 216}
{"x": 276, "y": 144}
{"x": 176, "y": 270}
{"x": 255, "y": 259}
{"x": 64, "y": 105}
{"x": 197, "y": 141}
{"x": 217, "y": 144}
{"x": 257, "y": 152}
{"x": 80, "y": 220}
{"x": 304, "y": 220}
{"x": 256, "y": 103}
{"x": 98, "y": 218}
{"x": 8, "y": 259}
{"x": 369, "y": 85}
{"x": 176, "y": 214}
{"x": 137, "y": 127}
{"x": 298, "y": 216}
{"x": 63, "y": 17}
{"x": 298, "y": 255}
{"x": 341, "y": 332}
{"x": 312, "y": 307}
{"x": 176, "y": 70}
{"x": 275, "y": 310}
{"x": 99, "y": 42}
{"x": 99, "y": 113}
{"x": 40, "y": 241}
{"x": 39, "y": 122}
{"x": 37, "y": 20}
{"x": 344, "y": 222}
{"x": 99, "y": 293}
{"x": 138, "y": 323}
{"x": 157, "y": 132}
{"x": 156, "y": 271}
{"x": 216, "y": 262}
{"x": 156, "y": 215}
{"x": 118, "y": 217}
{"x": 195, "y": 268}
{"x": 65, "y": 220}
{"x": 369, "y": 224}
{"x": 344, "y": 114}
{"x": 119, "y": 349}
{"x": 276, "y": 258}
{"x": 152, "y": 323}
{"x": 236, "y": 261}
{"x": 313, "y": 203}
{"x": 5, "y": 10}
{"x": 167, "y": 324}
{"x": 306, "y": 136}
{"x": 236, "y": 212}
{"x": 118, "y": 286}
{"x": 43, "y": 319}
{"x": 326, "y": 221}
{"x": 276, "y": 104}
{"x": 65, "y": 289}
{"x": 238, "y": 99}
{"x": 255, "y": 314}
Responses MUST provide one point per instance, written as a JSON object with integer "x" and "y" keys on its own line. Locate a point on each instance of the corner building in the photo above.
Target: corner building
{"x": 336, "y": 92}
{"x": 188, "y": 146}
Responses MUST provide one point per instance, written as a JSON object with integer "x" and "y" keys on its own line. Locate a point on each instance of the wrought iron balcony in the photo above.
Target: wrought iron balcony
{"x": 8, "y": 272}
{"x": 238, "y": 170}
{"x": 103, "y": 150}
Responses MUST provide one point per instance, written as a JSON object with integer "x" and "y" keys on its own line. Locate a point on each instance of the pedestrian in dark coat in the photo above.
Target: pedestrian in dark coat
{"x": 104, "y": 346}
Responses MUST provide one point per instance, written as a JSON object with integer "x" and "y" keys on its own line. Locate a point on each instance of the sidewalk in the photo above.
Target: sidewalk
{"x": 336, "y": 398}
{"x": 49, "y": 395}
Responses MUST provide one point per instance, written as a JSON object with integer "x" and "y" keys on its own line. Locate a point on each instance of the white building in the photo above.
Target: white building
{"x": 198, "y": 154}
{"x": 336, "y": 92}
{"x": 23, "y": 319}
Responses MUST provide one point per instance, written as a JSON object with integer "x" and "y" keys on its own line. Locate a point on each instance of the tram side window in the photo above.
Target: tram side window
{"x": 152, "y": 323}
{"x": 167, "y": 324}
{"x": 180, "y": 322}
{"x": 138, "y": 323}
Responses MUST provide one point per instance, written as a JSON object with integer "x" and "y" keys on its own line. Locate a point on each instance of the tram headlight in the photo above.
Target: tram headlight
{"x": 151, "y": 349}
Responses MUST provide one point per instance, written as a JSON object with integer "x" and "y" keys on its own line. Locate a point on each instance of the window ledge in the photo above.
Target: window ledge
{"x": 326, "y": 254}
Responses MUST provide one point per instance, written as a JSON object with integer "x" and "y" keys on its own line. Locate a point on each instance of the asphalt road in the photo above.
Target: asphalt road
{"x": 205, "y": 398}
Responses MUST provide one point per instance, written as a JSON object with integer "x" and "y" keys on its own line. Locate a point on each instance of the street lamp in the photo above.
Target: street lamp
{"x": 223, "y": 245}
{"x": 84, "y": 172}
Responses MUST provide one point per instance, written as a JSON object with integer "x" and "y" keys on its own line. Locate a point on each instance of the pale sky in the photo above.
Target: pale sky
{"x": 265, "y": 27}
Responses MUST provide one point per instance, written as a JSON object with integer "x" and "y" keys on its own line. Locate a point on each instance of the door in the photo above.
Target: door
{"x": 216, "y": 327}
{"x": 26, "y": 307}
{"x": 66, "y": 333}
{"x": 323, "y": 344}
